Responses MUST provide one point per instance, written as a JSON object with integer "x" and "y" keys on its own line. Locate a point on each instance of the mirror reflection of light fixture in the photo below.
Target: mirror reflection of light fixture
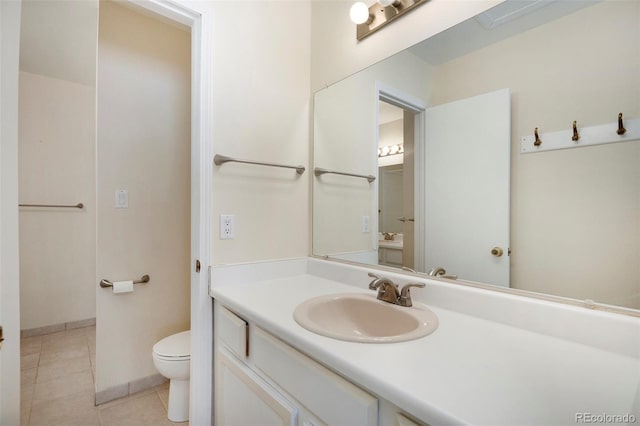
{"x": 390, "y": 150}
{"x": 379, "y": 14}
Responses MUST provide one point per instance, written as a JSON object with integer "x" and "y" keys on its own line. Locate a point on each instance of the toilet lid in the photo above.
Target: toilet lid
{"x": 176, "y": 345}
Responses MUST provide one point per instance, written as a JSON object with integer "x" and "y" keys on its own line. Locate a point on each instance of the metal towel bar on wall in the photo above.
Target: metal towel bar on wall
{"x": 107, "y": 283}
{"x": 318, "y": 171}
{"x": 60, "y": 206}
{"x": 221, "y": 159}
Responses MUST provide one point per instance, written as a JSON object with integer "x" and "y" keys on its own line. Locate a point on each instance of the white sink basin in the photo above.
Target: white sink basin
{"x": 363, "y": 318}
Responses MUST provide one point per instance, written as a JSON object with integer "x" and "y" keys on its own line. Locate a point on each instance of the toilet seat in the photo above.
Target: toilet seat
{"x": 176, "y": 347}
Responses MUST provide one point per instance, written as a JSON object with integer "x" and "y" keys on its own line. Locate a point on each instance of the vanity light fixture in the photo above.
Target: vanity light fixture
{"x": 390, "y": 150}
{"x": 359, "y": 13}
{"x": 370, "y": 19}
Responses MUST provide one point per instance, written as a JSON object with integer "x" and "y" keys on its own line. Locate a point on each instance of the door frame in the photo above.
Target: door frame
{"x": 199, "y": 17}
{"x": 9, "y": 263}
{"x": 394, "y": 96}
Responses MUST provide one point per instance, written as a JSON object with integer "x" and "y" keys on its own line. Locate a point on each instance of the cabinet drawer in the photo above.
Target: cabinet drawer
{"x": 233, "y": 332}
{"x": 243, "y": 398}
{"x": 328, "y": 396}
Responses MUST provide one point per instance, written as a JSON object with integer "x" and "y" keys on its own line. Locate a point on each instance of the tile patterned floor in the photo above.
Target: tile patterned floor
{"x": 58, "y": 386}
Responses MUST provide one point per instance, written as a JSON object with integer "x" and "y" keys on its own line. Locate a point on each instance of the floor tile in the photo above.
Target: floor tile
{"x": 26, "y": 396}
{"x": 63, "y": 386}
{"x": 62, "y": 368}
{"x": 47, "y": 338}
{"x": 30, "y": 345}
{"x": 29, "y": 361}
{"x": 75, "y": 409}
{"x": 62, "y": 354}
{"x": 163, "y": 394}
{"x": 28, "y": 376}
{"x": 58, "y": 386}
{"x": 67, "y": 342}
{"x": 25, "y": 413}
{"x": 146, "y": 410}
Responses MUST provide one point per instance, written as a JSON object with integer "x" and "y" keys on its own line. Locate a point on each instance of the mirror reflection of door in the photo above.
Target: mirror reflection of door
{"x": 395, "y": 186}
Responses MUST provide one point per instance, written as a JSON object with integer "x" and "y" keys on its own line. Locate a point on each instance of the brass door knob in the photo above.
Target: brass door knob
{"x": 497, "y": 251}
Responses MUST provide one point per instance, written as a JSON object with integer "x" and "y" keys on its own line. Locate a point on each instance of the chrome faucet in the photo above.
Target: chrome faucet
{"x": 388, "y": 291}
{"x": 439, "y": 271}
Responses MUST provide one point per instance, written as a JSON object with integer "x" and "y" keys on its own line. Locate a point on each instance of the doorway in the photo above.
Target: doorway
{"x": 199, "y": 18}
{"x": 400, "y": 135}
{"x": 396, "y": 186}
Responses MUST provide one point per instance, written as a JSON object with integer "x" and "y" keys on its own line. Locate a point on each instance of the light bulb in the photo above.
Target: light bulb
{"x": 359, "y": 13}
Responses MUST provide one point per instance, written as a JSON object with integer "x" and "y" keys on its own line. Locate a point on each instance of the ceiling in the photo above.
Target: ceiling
{"x": 498, "y": 23}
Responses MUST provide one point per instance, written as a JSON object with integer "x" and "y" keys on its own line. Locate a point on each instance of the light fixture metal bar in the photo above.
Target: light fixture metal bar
{"x": 381, "y": 16}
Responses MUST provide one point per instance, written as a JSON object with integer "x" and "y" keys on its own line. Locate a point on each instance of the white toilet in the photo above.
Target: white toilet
{"x": 171, "y": 356}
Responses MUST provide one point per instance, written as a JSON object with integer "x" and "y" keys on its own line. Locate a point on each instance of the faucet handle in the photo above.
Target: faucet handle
{"x": 405, "y": 294}
{"x": 372, "y": 284}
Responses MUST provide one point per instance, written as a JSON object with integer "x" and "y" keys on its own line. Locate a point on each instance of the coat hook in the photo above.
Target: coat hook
{"x": 537, "y": 142}
{"x": 575, "y": 136}
{"x": 621, "y": 130}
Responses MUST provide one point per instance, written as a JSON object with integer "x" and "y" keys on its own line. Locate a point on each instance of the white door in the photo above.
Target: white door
{"x": 467, "y": 159}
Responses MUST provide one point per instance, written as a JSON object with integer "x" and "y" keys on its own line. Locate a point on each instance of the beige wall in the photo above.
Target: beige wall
{"x": 261, "y": 113}
{"x": 143, "y": 145}
{"x": 56, "y": 166}
{"x": 575, "y": 213}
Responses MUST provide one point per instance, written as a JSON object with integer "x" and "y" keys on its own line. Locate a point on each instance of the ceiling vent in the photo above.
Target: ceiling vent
{"x": 508, "y": 11}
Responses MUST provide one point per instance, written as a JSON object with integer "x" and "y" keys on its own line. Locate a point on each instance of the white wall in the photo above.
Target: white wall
{"x": 575, "y": 213}
{"x": 261, "y": 113}
{"x": 143, "y": 145}
{"x": 56, "y": 166}
{"x": 9, "y": 266}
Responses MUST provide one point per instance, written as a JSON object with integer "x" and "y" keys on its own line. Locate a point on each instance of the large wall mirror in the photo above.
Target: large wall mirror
{"x": 441, "y": 125}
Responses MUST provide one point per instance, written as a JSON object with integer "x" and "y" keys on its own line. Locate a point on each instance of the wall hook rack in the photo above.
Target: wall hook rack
{"x": 621, "y": 130}
{"x": 537, "y": 142}
{"x": 576, "y": 136}
{"x": 592, "y": 135}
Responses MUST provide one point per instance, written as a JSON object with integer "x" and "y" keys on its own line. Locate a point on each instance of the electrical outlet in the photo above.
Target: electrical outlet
{"x": 365, "y": 224}
{"x": 122, "y": 199}
{"x": 226, "y": 227}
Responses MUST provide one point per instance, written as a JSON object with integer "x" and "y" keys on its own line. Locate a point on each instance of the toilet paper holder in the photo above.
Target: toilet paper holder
{"x": 106, "y": 283}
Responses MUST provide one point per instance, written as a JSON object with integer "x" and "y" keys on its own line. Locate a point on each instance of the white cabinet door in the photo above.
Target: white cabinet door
{"x": 466, "y": 205}
{"x": 244, "y": 399}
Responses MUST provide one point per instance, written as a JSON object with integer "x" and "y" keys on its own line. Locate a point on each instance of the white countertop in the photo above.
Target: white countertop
{"x": 391, "y": 244}
{"x": 469, "y": 371}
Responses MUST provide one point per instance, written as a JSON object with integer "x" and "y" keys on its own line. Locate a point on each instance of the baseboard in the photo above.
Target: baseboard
{"x": 126, "y": 389}
{"x": 54, "y": 328}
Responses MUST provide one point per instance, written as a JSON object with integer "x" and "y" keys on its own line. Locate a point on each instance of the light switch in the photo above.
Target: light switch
{"x": 122, "y": 199}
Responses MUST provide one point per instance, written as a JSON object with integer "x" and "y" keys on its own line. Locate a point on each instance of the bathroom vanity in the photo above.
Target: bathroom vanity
{"x": 495, "y": 358}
